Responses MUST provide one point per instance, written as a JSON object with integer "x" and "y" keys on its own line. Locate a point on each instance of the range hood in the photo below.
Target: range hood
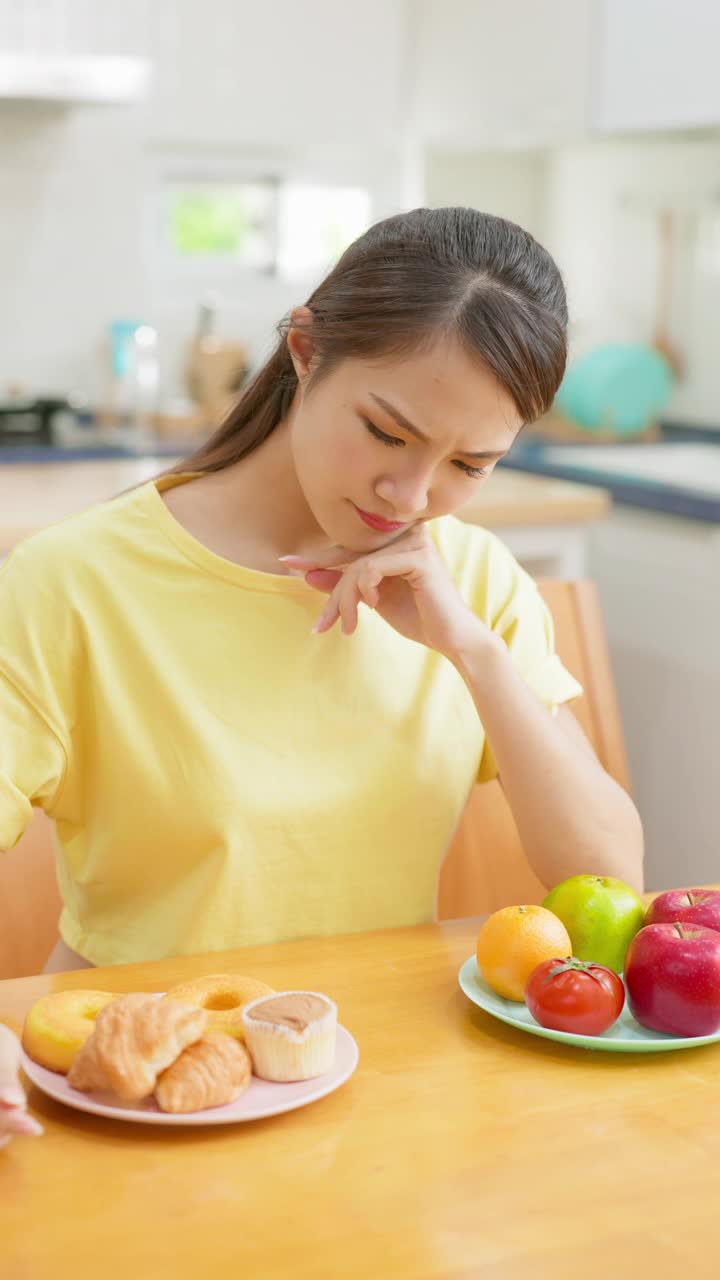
{"x": 73, "y": 78}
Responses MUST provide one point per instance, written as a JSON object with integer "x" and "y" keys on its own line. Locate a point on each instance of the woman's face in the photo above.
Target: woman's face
{"x": 382, "y": 446}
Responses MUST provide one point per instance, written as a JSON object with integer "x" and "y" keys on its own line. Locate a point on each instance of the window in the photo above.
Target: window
{"x": 317, "y": 224}
{"x": 268, "y": 225}
{"x": 233, "y": 221}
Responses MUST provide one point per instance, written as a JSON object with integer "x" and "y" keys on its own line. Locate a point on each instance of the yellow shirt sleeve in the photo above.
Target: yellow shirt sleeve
{"x": 33, "y": 652}
{"x": 32, "y": 763}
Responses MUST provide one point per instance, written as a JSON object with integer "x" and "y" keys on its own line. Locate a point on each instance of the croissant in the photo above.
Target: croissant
{"x": 213, "y": 1071}
{"x": 135, "y": 1038}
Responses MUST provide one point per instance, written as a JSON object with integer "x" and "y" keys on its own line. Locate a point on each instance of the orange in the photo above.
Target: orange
{"x": 514, "y": 941}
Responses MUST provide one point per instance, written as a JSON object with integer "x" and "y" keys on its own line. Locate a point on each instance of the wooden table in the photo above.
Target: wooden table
{"x": 460, "y": 1148}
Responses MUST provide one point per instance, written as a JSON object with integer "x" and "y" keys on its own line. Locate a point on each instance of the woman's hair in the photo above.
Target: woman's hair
{"x": 407, "y": 282}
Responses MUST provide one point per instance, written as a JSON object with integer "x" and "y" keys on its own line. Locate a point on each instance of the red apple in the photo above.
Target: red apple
{"x": 672, "y": 975}
{"x": 691, "y": 906}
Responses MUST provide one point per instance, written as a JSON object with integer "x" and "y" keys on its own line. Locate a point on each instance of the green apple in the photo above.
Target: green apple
{"x": 601, "y": 914}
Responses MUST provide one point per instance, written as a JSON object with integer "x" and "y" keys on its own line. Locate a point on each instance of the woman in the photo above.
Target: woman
{"x": 231, "y": 760}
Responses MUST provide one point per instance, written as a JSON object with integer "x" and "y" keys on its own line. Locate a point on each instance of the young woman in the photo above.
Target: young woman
{"x": 232, "y": 757}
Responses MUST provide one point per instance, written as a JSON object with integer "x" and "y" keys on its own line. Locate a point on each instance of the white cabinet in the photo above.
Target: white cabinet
{"x": 659, "y": 583}
{"x": 494, "y": 75}
{"x": 656, "y": 65}
{"x": 237, "y": 72}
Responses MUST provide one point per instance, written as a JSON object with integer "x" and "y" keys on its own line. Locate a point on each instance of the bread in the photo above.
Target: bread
{"x": 135, "y": 1038}
{"x": 210, "y": 1073}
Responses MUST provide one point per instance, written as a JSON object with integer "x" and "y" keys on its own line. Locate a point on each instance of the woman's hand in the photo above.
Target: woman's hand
{"x": 13, "y": 1116}
{"x": 407, "y": 583}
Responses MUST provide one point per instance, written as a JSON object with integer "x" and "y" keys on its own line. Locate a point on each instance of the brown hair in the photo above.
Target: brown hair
{"x": 406, "y": 282}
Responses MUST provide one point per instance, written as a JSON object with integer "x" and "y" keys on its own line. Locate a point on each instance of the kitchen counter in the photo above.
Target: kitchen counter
{"x": 675, "y": 476}
{"x": 33, "y": 495}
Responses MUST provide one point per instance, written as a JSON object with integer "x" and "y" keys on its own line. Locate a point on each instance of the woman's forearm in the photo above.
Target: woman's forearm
{"x": 571, "y": 816}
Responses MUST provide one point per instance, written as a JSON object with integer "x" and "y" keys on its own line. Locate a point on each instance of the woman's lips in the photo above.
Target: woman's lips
{"x": 377, "y": 522}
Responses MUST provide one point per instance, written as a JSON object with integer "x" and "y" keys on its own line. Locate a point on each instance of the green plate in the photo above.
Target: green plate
{"x": 625, "y": 1036}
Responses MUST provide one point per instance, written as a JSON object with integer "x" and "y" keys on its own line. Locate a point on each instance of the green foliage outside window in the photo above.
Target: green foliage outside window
{"x": 210, "y": 222}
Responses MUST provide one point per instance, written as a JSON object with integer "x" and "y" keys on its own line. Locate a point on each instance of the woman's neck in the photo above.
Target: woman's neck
{"x": 253, "y": 511}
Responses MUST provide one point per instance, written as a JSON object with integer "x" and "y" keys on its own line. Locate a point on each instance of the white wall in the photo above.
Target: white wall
{"x": 655, "y": 64}
{"x": 70, "y": 235}
{"x": 234, "y": 83}
{"x": 603, "y": 199}
{"x": 412, "y": 99}
{"x": 509, "y": 184}
{"x": 494, "y": 75}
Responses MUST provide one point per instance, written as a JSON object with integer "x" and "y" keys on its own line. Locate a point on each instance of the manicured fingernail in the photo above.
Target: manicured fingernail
{"x": 28, "y": 1124}
{"x": 11, "y": 1095}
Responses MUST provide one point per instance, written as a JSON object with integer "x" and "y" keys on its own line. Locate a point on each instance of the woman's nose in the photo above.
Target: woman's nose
{"x": 407, "y": 494}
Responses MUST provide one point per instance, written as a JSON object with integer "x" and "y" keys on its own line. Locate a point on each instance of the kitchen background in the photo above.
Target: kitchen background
{"x": 174, "y": 175}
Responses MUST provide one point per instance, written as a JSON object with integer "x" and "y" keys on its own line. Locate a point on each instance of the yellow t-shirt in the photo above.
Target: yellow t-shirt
{"x": 217, "y": 775}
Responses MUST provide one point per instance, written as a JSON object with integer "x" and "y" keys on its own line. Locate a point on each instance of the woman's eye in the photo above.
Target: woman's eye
{"x": 475, "y": 473}
{"x": 392, "y": 441}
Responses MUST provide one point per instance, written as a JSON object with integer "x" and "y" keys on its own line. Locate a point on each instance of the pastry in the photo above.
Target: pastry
{"x": 59, "y": 1024}
{"x": 291, "y": 1035}
{"x": 135, "y": 1038}
{"x": 210, "y": 1073}
{"x": 223, "y": 996}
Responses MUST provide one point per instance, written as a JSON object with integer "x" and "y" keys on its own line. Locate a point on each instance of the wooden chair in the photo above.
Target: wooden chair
{"x": 485, "y": 867}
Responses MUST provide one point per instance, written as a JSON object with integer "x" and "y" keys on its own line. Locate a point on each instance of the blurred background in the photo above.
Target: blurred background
{"x": 175, "y": 175}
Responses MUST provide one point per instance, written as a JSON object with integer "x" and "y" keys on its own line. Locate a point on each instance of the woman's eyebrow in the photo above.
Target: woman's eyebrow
{"x": 402, "y": 421}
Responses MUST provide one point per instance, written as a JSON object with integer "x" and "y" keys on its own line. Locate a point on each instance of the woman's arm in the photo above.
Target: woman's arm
{"x": 13, "y": 1116}
{"x": 571, "y": 816}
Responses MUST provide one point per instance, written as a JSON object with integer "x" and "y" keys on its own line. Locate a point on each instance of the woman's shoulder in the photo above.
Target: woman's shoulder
{"x": 470, "y": 547}
{"x": 482, "y": 566}
{"x": 72, "y": 544}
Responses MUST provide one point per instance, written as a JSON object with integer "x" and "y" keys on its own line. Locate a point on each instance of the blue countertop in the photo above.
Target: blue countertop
{"x": 42, "y": 453}
{"x": 695, "y": 501}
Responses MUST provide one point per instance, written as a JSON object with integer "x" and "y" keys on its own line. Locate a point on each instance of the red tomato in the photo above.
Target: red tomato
{"x": 572, "y": 995}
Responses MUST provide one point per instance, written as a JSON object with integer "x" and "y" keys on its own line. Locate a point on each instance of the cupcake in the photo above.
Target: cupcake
{"x": 291, "y": 1035}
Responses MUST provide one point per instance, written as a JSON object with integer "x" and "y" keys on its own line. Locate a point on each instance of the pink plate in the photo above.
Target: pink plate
{"x": 261, "y": 1098}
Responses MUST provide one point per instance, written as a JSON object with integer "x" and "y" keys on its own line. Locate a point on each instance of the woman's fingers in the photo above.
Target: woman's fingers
{"x": 13, "y": 1116}
{"x": 17, "y": 1121}
{"x": 10, "y": 1091}
{"x": 369, "y": 580}
{"x": 299, "y": 562}
{"x": 323, "y": 579}
{"x": 360, "y": 581}
{"x": 348, "y": 603}
{"x": 353, "y": 588}
{"x": 330, "y": 613}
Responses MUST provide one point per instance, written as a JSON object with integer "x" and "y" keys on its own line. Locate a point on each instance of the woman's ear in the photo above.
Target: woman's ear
{"x": 300, "y": 340}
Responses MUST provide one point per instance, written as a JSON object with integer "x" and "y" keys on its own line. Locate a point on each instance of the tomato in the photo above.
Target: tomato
{"x": 572, "y": 995}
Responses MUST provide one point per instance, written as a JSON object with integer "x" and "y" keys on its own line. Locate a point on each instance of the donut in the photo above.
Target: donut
{"x": 223, "y": 996}
{"x": 58, "y": 1025}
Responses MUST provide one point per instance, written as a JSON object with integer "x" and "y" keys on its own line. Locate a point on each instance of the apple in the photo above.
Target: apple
{"x": 672, "y": 975}
{"x": 691, "y": 906}
{"x": 601, "y": 914}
